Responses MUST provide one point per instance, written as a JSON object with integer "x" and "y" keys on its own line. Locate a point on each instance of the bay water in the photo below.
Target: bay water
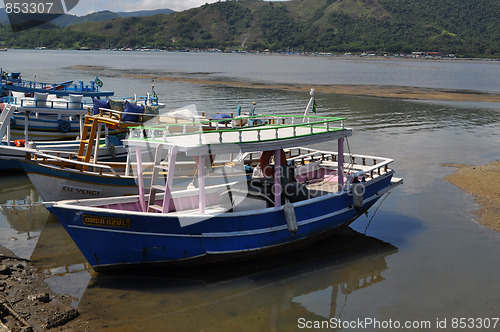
{"x": 419, "y": 257}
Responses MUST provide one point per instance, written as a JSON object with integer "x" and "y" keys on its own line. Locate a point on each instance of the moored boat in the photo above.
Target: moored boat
{"x": 58, "y": 176}
{"x": 10, "y": 82}
{"x": 298, "y": 195}
{"x": 44, "y": 116}
{"x": 49, "y": 123}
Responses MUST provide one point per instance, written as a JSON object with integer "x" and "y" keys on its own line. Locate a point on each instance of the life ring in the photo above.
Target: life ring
{"x": 265, "y": 157}
{"x": 19, "y": 143}
{"x": 64, "y": 126}
{"x": 12, "y": 123}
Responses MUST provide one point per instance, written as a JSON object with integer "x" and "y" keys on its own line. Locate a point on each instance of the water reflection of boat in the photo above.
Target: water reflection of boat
{"x": 313, "y": 283}
{"x": 21, "y": 206}
{"x": 55, "y": 251}
{"x": 22, "y": 215}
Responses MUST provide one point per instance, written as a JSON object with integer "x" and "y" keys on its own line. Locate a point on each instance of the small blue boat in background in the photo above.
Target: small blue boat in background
{"x": 14, "y": 82}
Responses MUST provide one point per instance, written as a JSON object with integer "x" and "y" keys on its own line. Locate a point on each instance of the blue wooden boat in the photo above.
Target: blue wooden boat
{"x": 58, "y": 177}
{"x": 44, "y": 116}
{"x": 50, "y": 123}
{"x": 13, "y": 82}
{"x": 294, "y": 198}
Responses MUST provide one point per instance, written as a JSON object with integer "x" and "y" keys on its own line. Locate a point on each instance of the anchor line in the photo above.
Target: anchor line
{"x": 375, "y": 212}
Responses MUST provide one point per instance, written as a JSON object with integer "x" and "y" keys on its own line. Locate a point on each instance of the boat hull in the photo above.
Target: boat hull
{"x": 46, "y": 128}
{"x": 55, "y": 184}
{"x": 11, "y": 156}
{"x": 58, "y": 183}
{"x": 113, "y": 238}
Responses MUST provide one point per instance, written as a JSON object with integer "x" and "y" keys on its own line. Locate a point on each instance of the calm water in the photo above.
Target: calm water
{"x": 420, "y": 257}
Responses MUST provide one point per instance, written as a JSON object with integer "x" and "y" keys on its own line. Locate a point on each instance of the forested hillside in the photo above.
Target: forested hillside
{"x": 470, "y": 28}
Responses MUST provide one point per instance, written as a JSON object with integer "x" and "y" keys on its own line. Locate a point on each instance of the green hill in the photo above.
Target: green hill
{"x": 69, "y": 19}
{"x": 464, "y": 27}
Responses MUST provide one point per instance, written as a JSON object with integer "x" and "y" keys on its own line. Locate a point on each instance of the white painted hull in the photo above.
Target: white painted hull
{"x": 51, "y": 188}
{"x": 10, "y": 155}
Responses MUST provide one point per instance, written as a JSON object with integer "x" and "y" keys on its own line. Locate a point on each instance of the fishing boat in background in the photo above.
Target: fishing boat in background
{"x": 14, "y": 82}
{"x": 297, "y": 195}
{"x": 39, "y": 111}
{"x": 81, "y": 175}
{"x": 44, "y": 116}
{"x": 47, "y": 123}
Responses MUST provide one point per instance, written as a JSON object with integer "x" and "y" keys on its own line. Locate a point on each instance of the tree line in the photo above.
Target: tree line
{"x": 470, "y": 28}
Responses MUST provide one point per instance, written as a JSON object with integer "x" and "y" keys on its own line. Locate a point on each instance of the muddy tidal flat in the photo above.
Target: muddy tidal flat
{"x": 26, "y": 301}
{"x": 382, "y": 91}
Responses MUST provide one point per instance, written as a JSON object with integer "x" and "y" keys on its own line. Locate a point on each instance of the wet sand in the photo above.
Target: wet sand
{"x": 355, "y": 90}
{"x": 482, "y": 182}
{"x": 382, "y": 91}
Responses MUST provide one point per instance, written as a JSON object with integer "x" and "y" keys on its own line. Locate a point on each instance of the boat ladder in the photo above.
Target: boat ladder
{"x": 158, "y": 181}
{"x": 5, "y": 121}
{"x": 90, "y": 132}
{"x": 90, "y": 129}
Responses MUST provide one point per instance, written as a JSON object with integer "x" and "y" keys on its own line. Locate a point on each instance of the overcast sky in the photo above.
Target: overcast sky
{"x": 89, "y": 6}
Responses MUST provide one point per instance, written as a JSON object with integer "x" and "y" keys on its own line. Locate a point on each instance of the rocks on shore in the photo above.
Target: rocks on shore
{"x": 26, "y": 301}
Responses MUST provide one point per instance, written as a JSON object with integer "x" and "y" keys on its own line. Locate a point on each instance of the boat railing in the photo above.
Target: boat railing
{"x": 60, "y": 103}
{"x": 46, "y": 158}
{"x": 148, "y": 99}
{"x": 57, "y": 103}
{"x": 302, "y": 156}
{"x": 48, "y": 87}
{"x": 373, "y": 171}
{"x": 272, "y": 127}
{"x": 363, "y": 169}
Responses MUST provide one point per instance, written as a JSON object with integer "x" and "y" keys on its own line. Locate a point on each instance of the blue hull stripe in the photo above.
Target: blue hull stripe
{"x": 157, "y": 238}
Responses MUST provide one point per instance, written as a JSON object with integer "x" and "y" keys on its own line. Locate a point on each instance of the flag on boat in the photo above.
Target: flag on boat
{"x": 311, "y": 105}
{"x": 98, "y": 82}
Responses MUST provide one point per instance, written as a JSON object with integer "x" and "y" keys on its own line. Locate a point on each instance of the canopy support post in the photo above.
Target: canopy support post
{"x": 340, "y": 161}
{"x": 201, "y": 184}
{"x": 140, "y": 179}
{"x": 277, "y": 178}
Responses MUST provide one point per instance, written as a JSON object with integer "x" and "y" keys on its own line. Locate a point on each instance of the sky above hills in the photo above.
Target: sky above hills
{"x": 90, "y": 6}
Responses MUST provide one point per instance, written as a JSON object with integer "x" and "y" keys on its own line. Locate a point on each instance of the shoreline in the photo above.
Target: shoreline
{"x": 27, "y": 303}
{"x": 482, "y": 182}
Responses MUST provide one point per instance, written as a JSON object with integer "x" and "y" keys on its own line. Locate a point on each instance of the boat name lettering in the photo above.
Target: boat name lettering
{"x": 83, "y": 191}
{"x": 105, "y": 221}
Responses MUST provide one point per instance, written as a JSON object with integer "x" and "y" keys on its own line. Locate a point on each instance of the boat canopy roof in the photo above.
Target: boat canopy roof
{"x": 268, "y": 132}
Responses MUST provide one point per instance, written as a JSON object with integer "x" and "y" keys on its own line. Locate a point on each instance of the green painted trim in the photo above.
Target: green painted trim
{"x": 147, "y": 140}
{"x": 244, "y": 129}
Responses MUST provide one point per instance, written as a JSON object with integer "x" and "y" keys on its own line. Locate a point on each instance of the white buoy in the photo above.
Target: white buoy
{"x": 291, "y": 219}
